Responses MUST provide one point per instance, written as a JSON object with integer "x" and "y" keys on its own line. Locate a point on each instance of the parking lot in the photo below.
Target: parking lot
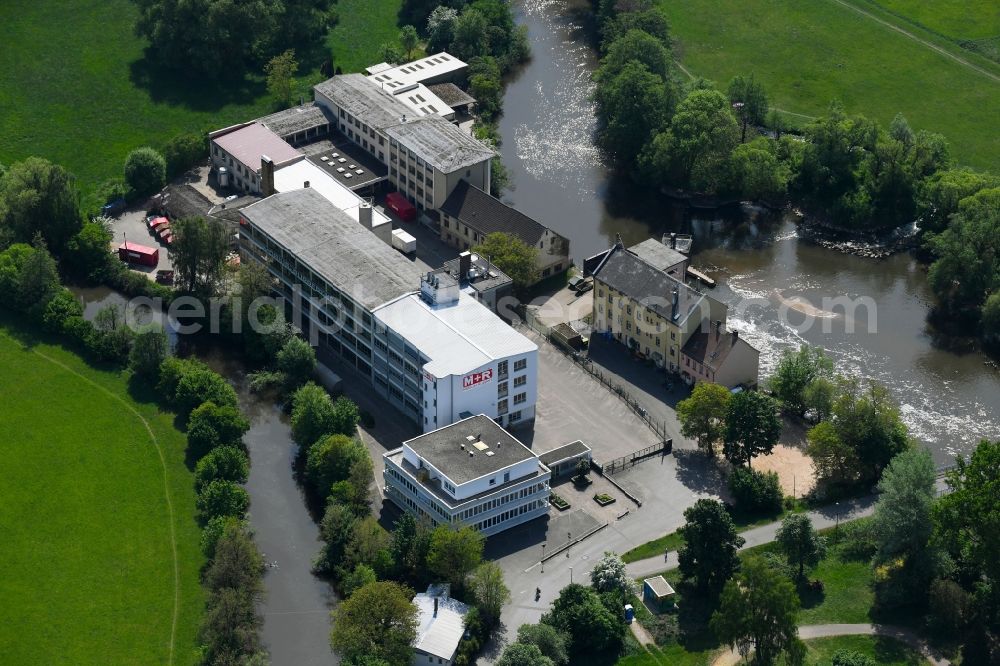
{"x": 131, "y": 225}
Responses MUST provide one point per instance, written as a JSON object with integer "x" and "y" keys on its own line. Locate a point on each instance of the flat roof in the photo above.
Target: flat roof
{"x": 440, "y": 143}
{"x": 658, "y": 255}
{"x": 659, "y": 585}
{"x": 418, "y": 71}
{"x": 294, "y": 176}
{"x": 564, "y": 452}
{"x": 487, "y": 275}
{"x": 335, "y": 246}
{"x": 443, "y": 448}
{"x": 451, "y": 94}
{"x": 422, "y": 101}
{"x": 439, "y": 634}
{"x": 357, "y": 95}
{"x": 248, "y": 144}
{"x": 296, "y": 119}
{"x": 457, "y": 337}
{"x": 347, "y": 167}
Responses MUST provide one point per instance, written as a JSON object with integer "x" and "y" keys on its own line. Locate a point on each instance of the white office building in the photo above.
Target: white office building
{"x": 470, "y": 473}
{"x": 428, "y": 347}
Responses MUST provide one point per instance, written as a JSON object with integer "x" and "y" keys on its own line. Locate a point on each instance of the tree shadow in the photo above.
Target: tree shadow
{"x": 167, "y": 85}
{"x": 810, "y": 596}
{"x": 698, "y": 473}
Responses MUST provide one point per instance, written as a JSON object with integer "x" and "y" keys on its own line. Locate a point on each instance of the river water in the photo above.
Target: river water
{"x": 770, "y": 277}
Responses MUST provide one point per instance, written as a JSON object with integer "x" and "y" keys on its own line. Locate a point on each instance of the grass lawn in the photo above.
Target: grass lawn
{"x": 91, "y": 575}
{"x": 808, "y": 53}
{"x": 673, "y": 655}
{"x": 957, "y": 19}
{"x": 74, "y": 88}
{"x": 885, "y": 651}
{"x": 363, "y": 26}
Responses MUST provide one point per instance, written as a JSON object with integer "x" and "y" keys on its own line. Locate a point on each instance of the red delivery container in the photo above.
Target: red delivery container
{"x": 399, "y": 205}
{"x": 155, "y": 222}
{"x": 134, "y": 253}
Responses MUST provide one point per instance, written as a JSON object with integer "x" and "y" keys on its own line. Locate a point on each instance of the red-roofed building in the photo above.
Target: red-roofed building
{"x": 240, "y": 150}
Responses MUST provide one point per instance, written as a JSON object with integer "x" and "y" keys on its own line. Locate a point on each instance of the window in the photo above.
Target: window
{"x": 502, "y": 406}
{"x": 520, "y": 364}
{"x": 506, "y": 477}
{"x": 520, "y": 380}
{"x": 657, "y": 342}
{"x": 514, "y": 416}
{"x": 502, "y": 389}
{"x": 493, "y": 482}
{"x": 520, "y": 398}
{"x": 502, "y": 369}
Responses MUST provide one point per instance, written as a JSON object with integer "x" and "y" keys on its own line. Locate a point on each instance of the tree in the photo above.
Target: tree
{"x": 867, "y": 420}
{"x": 182, "y": 151}
{"x": 703, "y": 414}
{"x": 87, "y": 254}
{"x": 297, "y": 361}
{"x": 37, "y": 196}
{"x": 238, "y": 563}
{"x": 549, "y": 641}
{"x": 968, "y": 266}
{"x": 369, "y": 545}
{"x": 819, "y": 396}
{"x": 749, "y": 99}
{"x": 757, "y": 172}
{"x": 37, "y": 280}
{"x": 796, "y": 371}
{"x": 329, "y": 460}
{"x": 229, "y": 629}
{"x": 390, "y": 53}
{"x": 834, "y": 461}
{"x": 489, "y": 591}
{"x": 758, "y": 612}
{"x": 226, "y": 463}
{"x": 453, "y": 554}
{"x": 752, "y": 427}
{"x": 198, "y": 252}
{"x": 631, "y": 107}
{"x": 59, "y": 309}
{"x": 708, "y": 557}
{"x": 511, "y": 255}
{"x": 800, "y": 543}
{"x": 991, "y": 317}
{"x": 335, "y": 529}
{"x": 938, "y": 196}
{"x": 609, "y": 574}
{"x": 222, "y": 498}
{"x": 312, "y": 414}
{"x": 845, "y": 657}
{"x": 521, "y": 654}
{"x": 149, "y": 348}
{"x": 579, "y": 613}
{"x": 211, "y": 425}
{"x": 902, "y": 525}
{"x": 361, "y": 576}
{"x": 635, "y": 46}
{"x": 755, "y": 492}
{"x": 202, "y": 385}
{"x": 644, "y": 16}
{"x": 470, "y": 34}
{"x": 212, "y": 532}
{"x": 378, "y": 620}
{"x": 145, "y": 171}
{"x": 440, "y": 28}
{"x": 345, "y": 416}
{"x": 280, "y": 71}
{"x": 408, "y": 39}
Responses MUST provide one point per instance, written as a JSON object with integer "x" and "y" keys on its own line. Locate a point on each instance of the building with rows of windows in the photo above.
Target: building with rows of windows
{"x": 423, "y": 339}
{"x": 470, "y": 473}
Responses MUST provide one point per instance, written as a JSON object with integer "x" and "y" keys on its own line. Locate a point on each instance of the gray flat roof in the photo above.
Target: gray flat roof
{"x": 488, "y": 276}
{"x": 659, "y": 585}
{"x": 451, "y": 94}
{"x": 365, "y": 100}
{"x": 658, "y": 255}
{"x": 442, "y": 448}
{"x": 564, "y": 452}
{"x": 335, "y": 246}
{"x": 296, "y": 119}
{"x": 440, "y": 143}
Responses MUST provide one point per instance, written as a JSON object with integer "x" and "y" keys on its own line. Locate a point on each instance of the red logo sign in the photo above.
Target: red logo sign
{"x": 477, "y": 378}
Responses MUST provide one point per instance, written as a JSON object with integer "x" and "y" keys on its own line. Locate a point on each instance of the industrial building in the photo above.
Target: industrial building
{"x": 472, "y": 472}
{"x": 642, "y": 301}
{"x": 426, "y": 344}
{"x": 480, "y": 278}
{"x": 470, "y": 214}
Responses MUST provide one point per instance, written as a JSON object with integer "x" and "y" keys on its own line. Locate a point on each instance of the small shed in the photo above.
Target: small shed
{"x": 563, "y": 460}
{"x": 658, "y": 593}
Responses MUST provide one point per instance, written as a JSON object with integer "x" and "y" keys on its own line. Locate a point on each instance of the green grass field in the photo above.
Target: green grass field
{"x": 957, "y": 19}
{"x": 74, "y": 89}
{"x": 808, "y": 53}
{"x": 885, "y": 651}
{"x": 362, "y": 28}
{"x": 89, "y": 546}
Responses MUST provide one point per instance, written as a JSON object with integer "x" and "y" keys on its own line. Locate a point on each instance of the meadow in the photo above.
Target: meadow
{"x": 809, "y": 53}
{"x": 100, "y": 548}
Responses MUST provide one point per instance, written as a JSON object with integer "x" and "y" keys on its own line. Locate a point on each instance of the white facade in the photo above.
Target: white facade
{"x": 467, "y": 475}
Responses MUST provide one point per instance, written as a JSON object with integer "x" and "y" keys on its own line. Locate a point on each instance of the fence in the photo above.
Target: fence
{"x": 581, "y": 359}
{"x": 624, "y": 462}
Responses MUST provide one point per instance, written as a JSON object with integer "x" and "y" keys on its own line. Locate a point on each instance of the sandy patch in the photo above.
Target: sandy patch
{"x": 793, "y": 466}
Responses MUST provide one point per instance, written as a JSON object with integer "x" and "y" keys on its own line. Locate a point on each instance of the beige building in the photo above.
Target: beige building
{"x": 642, "y": 301}
{"x": 470, "y": 214}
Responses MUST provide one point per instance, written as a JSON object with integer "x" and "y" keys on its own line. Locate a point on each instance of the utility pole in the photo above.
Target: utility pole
{"x": 543, "y": 557}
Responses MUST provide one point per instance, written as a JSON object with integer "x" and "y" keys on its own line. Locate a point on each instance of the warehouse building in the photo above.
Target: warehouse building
{"x": 426, "y": 345}
{"x": 470, "y": 473}
{"x": 240, "y": 150}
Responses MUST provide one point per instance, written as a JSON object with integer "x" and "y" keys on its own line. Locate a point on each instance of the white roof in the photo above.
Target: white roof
{"x": 439, "y": 635}
{"x": 457, "y": 337}
{"x": 418, "y": 71}
{"x": 423, "y": 102}
{"x": 294, "y": 177}
{"x": 378, "y": 68}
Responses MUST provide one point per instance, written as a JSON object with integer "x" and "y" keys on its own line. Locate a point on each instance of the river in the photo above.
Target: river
{"x": 767, "y": 274}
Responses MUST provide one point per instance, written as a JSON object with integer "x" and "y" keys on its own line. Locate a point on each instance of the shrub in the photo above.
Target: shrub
{"x": 949, "y": 607}
{"x": 145, "y": 171}
{"x": 171, "y": 371}
{"x": 226, "y": 463}
{"x": 857, "y": 539}
{"x": 852, "y": 658}
{"x": 329, "y": 460}
{"x": 297, "y": 360}
{"x": 755, "y": 491}
{"x": 59, "y": 309}
{"x": 148, "y": 351}
{"x": 183, "y": 151}
{"x": 210, "y": 426}
{"x": 222, "y": 498}
{"x": 211, "y": 533}
{"x": 200, "y": 385}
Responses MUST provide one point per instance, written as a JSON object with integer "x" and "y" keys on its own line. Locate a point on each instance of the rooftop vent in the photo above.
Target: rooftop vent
{"x": 490, "y": 453}
{"x": 470, "y": 438}
{"x": 471, "y": 454}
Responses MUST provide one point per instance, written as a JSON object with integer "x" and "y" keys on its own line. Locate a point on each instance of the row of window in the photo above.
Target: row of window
{"x": 508, "y": 515}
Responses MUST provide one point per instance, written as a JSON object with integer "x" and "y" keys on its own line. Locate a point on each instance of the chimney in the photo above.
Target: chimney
{"x": 305, "y": 184}
{"x": 464, "y": 265}
{"x": 676, "y": 303}
{"x": 673, "y": 241}
{"x": 736, "y": 336}
{"x": 435, "y": 606}
{"x": 266, "y": 176}
{"x": 365, "y": 215}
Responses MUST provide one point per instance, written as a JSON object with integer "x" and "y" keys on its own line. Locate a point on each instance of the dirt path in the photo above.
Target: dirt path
{"x": 166, "y": 491}
{"x": 923, "y": 42}
{"x": 730, "y": 658}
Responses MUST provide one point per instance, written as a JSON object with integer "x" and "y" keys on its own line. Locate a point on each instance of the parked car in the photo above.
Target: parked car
{"x": 580, "y": 285}
{"x": 165, "y": 276}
